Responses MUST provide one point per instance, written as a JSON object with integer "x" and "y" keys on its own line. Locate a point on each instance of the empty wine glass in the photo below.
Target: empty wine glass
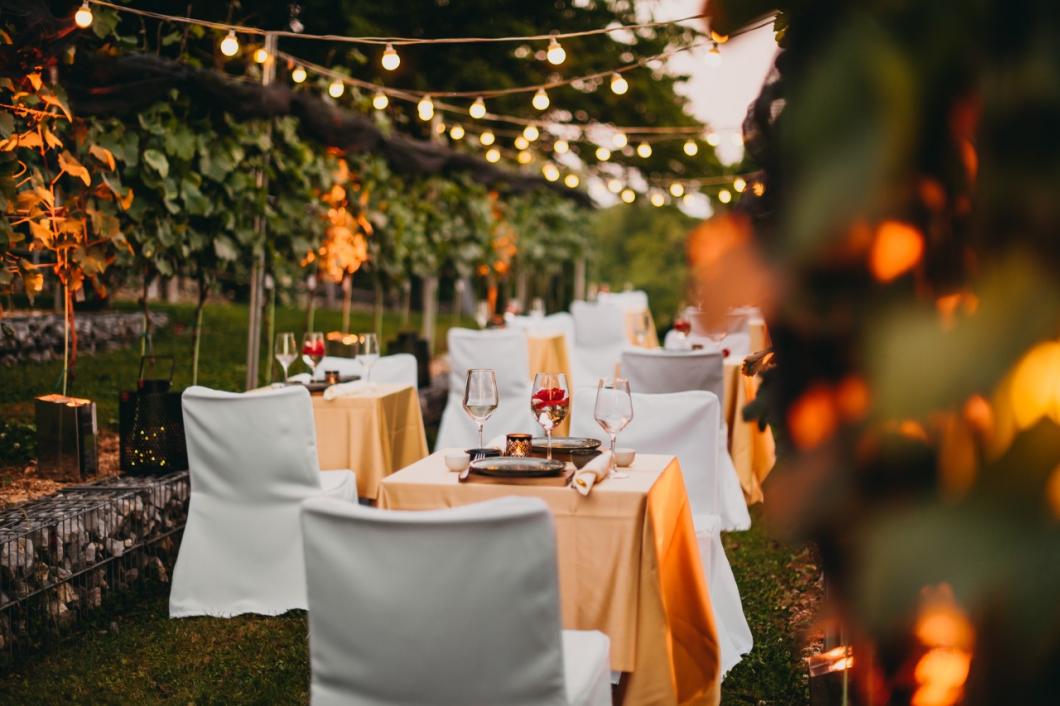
{"x": 549, "y": 403}
{"x": 313, "y": 350}
{"x": 613, "y": 412}
{"x": 286, "y": 350}
{"x": 481, "y": 398}
{"x": 368, "y": 353}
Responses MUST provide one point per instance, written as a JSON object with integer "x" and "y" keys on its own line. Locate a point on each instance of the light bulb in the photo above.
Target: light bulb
{"x": 738, "y": 185}
{"x": 628, "y": 195}
{"x": 725, "y": 196}
{"x": 336, "y": 89}
{"x": 619, "y": 140}
{"x": 521, "y": 143}
{"x": 83, "y": 16}
{"x": 439, "y": 128}
{"x": 713, "y": 139}
{"x": 719, "y": 37}
{"x": 657, "y": 198}
{"x": 380, "y": 100}
{"x": 714, "y": 56}
{"x": 493, "y": 154}
{"x": 551, "y": 171}
{"x": 487, "y": 138}
{"x": 456, "y": 132}
{"x": 260, "y": 55}
{"x": 560, "y": 147}
{"x": 758, "y": 188}
{"x": 603, "y": 154}
{"x": 425, "y": 108}
{"x": 691, "y": 148}
{"x": 644, "y": 150}
{"x": 618, "y": 84}
{"x": 230, "y": 45}
{"x": 390, "y": 60}
{"x": 523, "y": 157}
{"x": 676, "y": 189}
{"x": 614, "y": 185}
{"x": 572, "y": 181}
{"x": 531, "y": 132}
{"x": 298, "y": 74}
{"x": 540, "y": 100}
{"x": 478, "y": 109}
{"x": 555, "y": 54}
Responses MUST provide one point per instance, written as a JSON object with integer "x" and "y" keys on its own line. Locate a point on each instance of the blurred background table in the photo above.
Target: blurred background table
{"x": 752, "y": 449}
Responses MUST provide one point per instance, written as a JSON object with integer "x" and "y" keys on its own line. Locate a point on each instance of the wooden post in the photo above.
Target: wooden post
{"x": 521, "y": 293}
{"x": 579, "y": 278}
{"x": 430, "y": 310}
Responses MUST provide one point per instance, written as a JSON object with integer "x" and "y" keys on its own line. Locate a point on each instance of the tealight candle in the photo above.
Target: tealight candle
{"x": 518, "y": 445}
{"x": 331, "y": 377}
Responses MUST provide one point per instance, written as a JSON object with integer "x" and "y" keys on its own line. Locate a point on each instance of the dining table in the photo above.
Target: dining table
{"x": 752, "y": 448}
{"x": 628, "y": 563}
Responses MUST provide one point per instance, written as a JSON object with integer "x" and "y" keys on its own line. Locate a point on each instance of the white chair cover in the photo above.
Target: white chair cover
{"x": 252, "y": 460}
{"x": 634, "y": 300}
{"x": 599, "y": 337}
{"x": 506, "y": 352}
{"x": 443, "y": 607}
{"x": 686, "y": 424}
{"x": 656, "y": 371}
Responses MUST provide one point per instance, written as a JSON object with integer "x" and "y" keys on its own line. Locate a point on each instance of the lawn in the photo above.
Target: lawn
{"x": 137, "y": 655}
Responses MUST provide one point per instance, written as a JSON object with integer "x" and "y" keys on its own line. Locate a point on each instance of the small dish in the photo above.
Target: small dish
{"x": 625, "y": 457}
{"x": 457, "y": 461}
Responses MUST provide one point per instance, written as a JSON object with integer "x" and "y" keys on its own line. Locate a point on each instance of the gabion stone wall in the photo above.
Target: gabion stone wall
{"x": 39, "y": 337}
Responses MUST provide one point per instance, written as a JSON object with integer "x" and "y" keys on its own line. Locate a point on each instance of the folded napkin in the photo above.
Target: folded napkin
{"x": 356, "y": 388}
{"x": 592, "y": 473}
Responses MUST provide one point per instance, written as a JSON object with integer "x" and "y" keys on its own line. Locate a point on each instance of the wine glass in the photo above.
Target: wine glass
{"x": 641, "y": 328}
{"x": 480, "y": 398}
{"x": 313, "y": 350}
{"x": 369, "y": 353}
{"x": 286, "y": 351}
{"x": 482, "y": 314}
{"x": 683, "y": 327}
{"x": 549, "y": 403}
{"x": 613, "y": 412}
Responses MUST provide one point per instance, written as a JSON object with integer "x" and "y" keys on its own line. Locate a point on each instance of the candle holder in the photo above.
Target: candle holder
{"x": 518, "y": 445}
{"x": 331, "y": 377}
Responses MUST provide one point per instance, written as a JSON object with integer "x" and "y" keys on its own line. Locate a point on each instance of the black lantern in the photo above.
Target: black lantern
{"x": 151, "y": 423}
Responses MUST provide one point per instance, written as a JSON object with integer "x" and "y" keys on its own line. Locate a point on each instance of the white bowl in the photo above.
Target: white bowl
{"x": 625, "y": 457}
{"x": 457, "y": 461}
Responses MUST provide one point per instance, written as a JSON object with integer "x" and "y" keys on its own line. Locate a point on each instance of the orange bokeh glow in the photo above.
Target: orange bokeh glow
{"x": 812, "y": 419}
{"x": 979, "y": 414}
{"x": 852, "y": 397}
{"x": 897, "y": 248}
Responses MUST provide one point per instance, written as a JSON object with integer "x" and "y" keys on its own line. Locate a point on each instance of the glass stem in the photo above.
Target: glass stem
{"x": 481, "y": 440}
{"x": 614, "y": 466}
{"x": 548, "y": 435}
{"x": 285, "y": 375}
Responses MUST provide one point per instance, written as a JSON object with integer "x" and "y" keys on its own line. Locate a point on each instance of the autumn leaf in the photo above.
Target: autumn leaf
{"x": 58, "y": 103}
{"x": 69, "y": 164}
{"x": 103, "y": 155}
{"x": 28, "y": 139}
{"x": 41, "y": 232}
{"x": 34, "y": 80}
{"x": 50, "y": 138}
{"x": 123, "y": 200}
{"x": 33, "y": 283}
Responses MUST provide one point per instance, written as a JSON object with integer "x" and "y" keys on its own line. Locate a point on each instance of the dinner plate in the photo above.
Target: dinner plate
{"x": 566, "y": 443}
{"x": 517, "y": 467}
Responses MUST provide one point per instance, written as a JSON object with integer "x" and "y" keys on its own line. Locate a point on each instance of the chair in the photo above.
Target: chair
{"x": 444, "y": 607}
{"x": 657, "y": 371}
{"x": 686, "y": 424}
{"x": 599, "y": 338}
{"x": 633, "y": 300}
{"x": 399, "y": 368}
{"x": 506, "y": 352}
{"x": 252, "y": 460}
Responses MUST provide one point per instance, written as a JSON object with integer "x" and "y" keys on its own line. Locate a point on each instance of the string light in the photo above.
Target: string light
{"x": 713, "y": 139}
{"x": 572, "y": 181}
{"x": 614, "y": 185}
{"x": 714, "y": 56}
{"x": 230, "y": 45}
{"x": 555, "y": 54}
{"x": 551, "y": 171}
{"x": 523, "y": 157}
{"x": 540, "y": 99}
{"x": 298, "y": 74}
{"x": 487, "y": 138}
{"x": 657, "y": 198}
{"x": 725, "y": 196}
{"x": 380, "y": 100}
{"x": 439, "y": 128}
{"x": 83, "y": 16}
{"x": 618, "y": 84}
{"x": 477, "y": 109}
{"x": 619, "y": 140}
{"x": 425, "y": 108}
{"x": 390, "y": 60}
{"x": 758, "y": 188}
{"x": 738, "y": 185}
{"x": 677, "y": 189}
{"x": 493, "y": 154}
{"x": 628, "y": 195}
{"x": 718, "y": 37}
{"x": 560, "y": 147}
{"x": 531, "y": 132}
{"x": 644, "y": 150}
{"x": 691, "y": 148}
{"x": 456, "y": 132}
{"x": 603, "y": 154}
{"x": 260, "y": 55}
{"x": 336, "y": 89}
{"x": 521, "y": 143}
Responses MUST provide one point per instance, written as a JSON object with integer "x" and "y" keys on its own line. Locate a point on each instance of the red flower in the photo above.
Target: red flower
{"x": 313, "y": 348}
{"x": 554, "y": 396}
{"x": 725, "y": 352}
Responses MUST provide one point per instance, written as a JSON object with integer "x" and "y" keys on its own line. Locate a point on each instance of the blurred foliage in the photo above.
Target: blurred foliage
{"x": 18, "y": 442}
{"x": 909, "y": 213}
{"x": 644, "y": 246}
